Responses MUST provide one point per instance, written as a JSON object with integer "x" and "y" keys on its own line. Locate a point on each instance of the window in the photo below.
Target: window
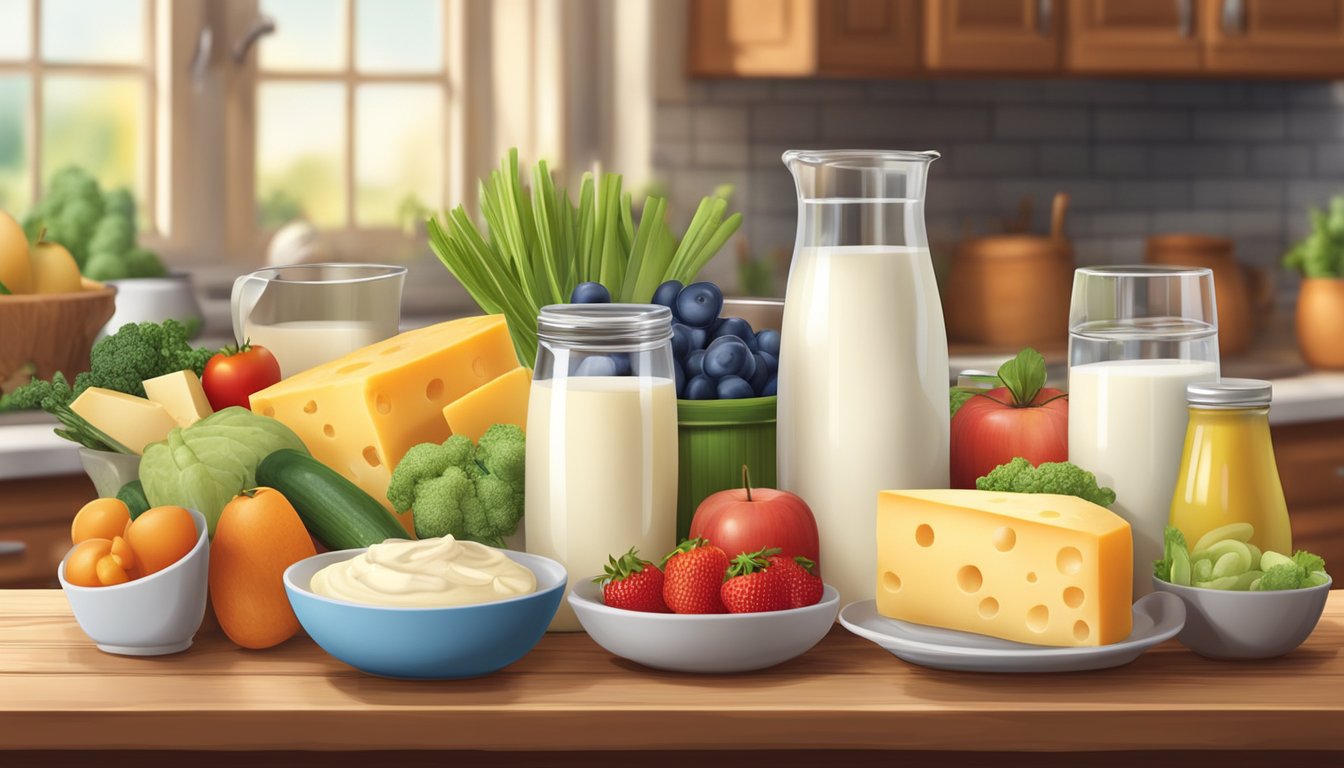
{"x": 77, "y": 86}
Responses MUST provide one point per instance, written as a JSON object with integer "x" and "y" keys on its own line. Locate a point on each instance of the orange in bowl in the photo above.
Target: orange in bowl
{"x": 160, "y": 537}
{"x": 100, "y": 519}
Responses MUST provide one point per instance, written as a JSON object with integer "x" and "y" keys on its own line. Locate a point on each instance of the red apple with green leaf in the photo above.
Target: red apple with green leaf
{"x": 1022, "y": 418}
{"x": 749, "y": 519}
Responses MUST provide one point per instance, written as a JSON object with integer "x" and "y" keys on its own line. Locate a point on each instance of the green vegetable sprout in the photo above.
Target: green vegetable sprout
{"x": 1019, "y": 476}
{"x": 97, "y": 228}
{"x": 1321, "y": 253}
{"x": 1225, "y": 559}
{"x": 470, "y": 492}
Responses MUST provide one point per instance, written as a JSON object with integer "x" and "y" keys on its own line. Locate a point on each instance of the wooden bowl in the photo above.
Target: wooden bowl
{"x": 52, "y": 331}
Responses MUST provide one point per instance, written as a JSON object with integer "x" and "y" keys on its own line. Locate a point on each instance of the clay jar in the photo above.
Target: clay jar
{"x": 1233, "y": 285}
{"x": 1320, "y": 318}
{"x": 1010, "y": 291}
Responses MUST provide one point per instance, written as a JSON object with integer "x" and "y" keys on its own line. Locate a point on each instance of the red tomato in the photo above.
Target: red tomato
{"x": 233, "y": 374}
{"x": 986, "y": 433}
{"x": 748, "y": 519}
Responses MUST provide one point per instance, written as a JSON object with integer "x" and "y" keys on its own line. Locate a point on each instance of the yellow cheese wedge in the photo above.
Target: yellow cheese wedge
{"x": 1034, "y": 568}
{"x": 180, "y": 394}
{"x": 501, "y": 401}
{"x": 359, "y": 414}
{"x": 132, "y": 421}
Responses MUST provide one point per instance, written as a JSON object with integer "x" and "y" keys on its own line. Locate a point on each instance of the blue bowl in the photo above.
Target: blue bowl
{"x": 447, "y": 643}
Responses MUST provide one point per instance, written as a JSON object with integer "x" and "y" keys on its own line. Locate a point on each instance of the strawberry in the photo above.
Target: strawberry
{"x": 694, "y": 571}
{"x": 801, "y": 584}
{"x": 632, "y": 583}
{"x": 754, "y": 585}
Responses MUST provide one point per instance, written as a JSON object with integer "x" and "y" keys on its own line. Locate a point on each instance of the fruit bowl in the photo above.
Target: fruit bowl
{"x": 51, "y": 331}
{"x": 1224, "y": 624}
{"x": 704, "y": 643}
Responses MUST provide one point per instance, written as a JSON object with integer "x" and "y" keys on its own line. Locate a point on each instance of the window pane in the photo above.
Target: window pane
{"x": 93, "y": 30}
{"x": 399, "y": 35}
{"x": 397, "y": 160}
{"x": 14, "y": 179}
{"x": 309, "y": 35}
{"x": 14, "y": 28}
{"x": 96, "y": 123}
{"x": 300, "y": 153}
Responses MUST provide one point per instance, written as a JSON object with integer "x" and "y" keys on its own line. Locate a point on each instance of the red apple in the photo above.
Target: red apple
{"x": 748, "y": 519}
{"x": 1022, "y": 418}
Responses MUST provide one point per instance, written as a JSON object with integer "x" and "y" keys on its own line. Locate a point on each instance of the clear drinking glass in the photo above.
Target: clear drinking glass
{"x": 1137, "y": 336}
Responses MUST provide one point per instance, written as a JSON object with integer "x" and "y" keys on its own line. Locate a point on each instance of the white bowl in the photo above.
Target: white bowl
{"x": 1222, "y": 624}
{"x": 109, "y": 470}
{"x": 704, "y": 643}
{"x": 153, "y": 300}
{"x": 151, "y": 616}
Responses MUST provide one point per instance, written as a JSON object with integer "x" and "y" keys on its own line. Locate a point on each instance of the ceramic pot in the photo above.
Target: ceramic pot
{"x": 1320, "y": 317}
{"x": 1242, "y": 295}
{"x": 1010, "y": 291}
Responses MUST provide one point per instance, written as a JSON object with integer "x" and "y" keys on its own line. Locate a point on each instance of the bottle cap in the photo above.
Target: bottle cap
{"x": 1230, "y": 393}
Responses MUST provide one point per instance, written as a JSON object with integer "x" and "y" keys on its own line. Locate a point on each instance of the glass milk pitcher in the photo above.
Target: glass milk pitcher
{"x": 863, "y": 378}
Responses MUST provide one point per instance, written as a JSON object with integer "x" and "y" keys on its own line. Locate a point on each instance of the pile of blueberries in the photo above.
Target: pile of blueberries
{"x": 714, "y": 358}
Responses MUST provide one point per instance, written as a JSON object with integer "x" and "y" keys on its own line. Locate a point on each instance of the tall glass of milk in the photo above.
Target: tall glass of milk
{"x": 601, "y": 439}
{"x": 863, "y": 378}
{"x": 1137, "y": 336}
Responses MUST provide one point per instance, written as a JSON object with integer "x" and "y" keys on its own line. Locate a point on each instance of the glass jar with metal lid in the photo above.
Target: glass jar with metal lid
{"x": 1228, "y": 473}
{"x": 601, "y": 438}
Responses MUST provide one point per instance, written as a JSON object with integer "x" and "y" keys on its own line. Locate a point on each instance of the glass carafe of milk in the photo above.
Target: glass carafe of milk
{"x": 1137, "y": 336}
{"x": 863, "y": 378}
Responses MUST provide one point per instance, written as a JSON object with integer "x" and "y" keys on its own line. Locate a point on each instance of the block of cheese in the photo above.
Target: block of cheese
{"x": 359, "y": 414}
{"x": 1034, "y": 568}
{"x": 501, "y": 401}
{"x": 132, "y": 421}
{"x": 180, "y": 394}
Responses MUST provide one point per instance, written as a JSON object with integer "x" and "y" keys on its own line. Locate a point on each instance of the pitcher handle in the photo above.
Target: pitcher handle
{"x": 247, "y": 291}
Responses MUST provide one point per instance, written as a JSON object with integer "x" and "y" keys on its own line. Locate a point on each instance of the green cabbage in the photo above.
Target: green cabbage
{"x": 205, "y": 465}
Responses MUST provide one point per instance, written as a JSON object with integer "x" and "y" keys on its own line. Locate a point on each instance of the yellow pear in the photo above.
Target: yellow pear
{"x": 54, "y": 269}
{"x": 15, "y": 270}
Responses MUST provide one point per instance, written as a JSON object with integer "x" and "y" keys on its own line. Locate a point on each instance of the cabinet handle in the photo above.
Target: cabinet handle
{"x": 1339, "y": 472}
{"x": 1044, "y": 12}
{"x": 1185, "y": 17}
{"x": 1234, "y": 18}
{"x": 12, "y": 548}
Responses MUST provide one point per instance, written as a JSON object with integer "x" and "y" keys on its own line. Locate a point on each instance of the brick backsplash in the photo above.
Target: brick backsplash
{"x": 1243, "y": 160}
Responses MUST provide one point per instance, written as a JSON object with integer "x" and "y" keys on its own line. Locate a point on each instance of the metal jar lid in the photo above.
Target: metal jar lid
{"x": 1230, "y": 393}
{"x": 607, "y": 326}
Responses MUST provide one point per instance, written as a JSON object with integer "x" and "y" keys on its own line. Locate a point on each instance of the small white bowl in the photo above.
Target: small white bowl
{"x": 109, "y": 470}
{"x": 153, "y": 300}
{"x": 1222, "y": 624}
{"x": 151, "y": 616}
{"x": 704, "y": 643}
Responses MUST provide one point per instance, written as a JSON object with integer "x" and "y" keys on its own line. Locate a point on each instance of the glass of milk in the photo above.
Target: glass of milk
{"x": 1137, "y": 336}
{"x": 601, "y": 439}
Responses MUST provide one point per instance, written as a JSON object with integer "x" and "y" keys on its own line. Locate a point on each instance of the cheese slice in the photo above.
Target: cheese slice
{"x": 359, "y": 414}
{"x": 180, "y": 394}
{"x": 1034, "y": 568}
{"x": 500, "y": 401}
{"x": 132, "y": 421}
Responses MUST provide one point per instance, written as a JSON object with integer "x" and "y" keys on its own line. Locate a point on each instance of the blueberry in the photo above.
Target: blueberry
{"x": 666, "y": 294}
{"x": 699, "y": 338}
{"x": 695, "y": 362}
{"x": 734, "y": 387}
{"x": 769, "y": 341}
{"x": 700, "y": 388}
{"x": 699, "y": 303}
{"x": 597, "y": 365}
{"x": 748, "y": 369}
{"x": 678, "y": 376}
{"x": 735, "y": 326}
{"x": 771, "y": 387}
{"x": 590, "y": 293}
{"x": 771, "y": 362}
{"x": 727, "y": 356}
{"x": 762, "y": 373}
{"x": 681, "y": 340}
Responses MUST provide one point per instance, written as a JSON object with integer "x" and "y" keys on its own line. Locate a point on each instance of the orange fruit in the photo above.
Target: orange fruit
{"x": 100, "y": 519}
{"x": 160, "y": 537}
{"x": 81, "y": 565}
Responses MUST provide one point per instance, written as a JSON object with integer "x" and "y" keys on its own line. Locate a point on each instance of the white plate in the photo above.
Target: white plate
{"x": 1157, "y": 618}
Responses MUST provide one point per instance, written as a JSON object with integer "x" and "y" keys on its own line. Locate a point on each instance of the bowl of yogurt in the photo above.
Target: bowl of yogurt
{"x": 434, "y": 609}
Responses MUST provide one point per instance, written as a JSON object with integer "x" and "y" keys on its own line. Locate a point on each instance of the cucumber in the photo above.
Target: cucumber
{"x": 133, "y": 496}
{"x": 335, "y": 511}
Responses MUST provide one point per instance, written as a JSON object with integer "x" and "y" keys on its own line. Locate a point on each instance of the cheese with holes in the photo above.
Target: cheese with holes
{"x": 1034, "y": 568}
{"x": 501, "y": 401}
{"x": 359, "y": 414}
{"x": 132, "y": 421}
{"x": 180, "y": 394}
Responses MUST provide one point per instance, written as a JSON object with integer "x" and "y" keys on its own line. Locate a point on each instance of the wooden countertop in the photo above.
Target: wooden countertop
{"x": 57, "y": 692}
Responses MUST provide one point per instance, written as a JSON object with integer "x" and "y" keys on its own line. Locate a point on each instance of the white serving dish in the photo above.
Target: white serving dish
{"x": 1222, "y": 624}
{"x": 153, "y": 300}
{"x": 704, "y": 643}
{"x": 109, "y": 470}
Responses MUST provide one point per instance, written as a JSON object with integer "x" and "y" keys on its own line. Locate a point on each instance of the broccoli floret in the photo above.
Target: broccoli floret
{"x": 469, "y": 492}
{"x": 39, "y": 394}
{"x": 1308, "y": 562}
{"x": 119, "y": 202}
{"x": 1282, "y": 576}
{"x": 1018, "y": 476}
{"x": 143, "y": 263}
{"x": 106, "y": 265}
{"x": 114, "y": 234}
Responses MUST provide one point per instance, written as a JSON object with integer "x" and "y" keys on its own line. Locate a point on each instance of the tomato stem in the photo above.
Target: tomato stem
{"x": 746, "y": 481}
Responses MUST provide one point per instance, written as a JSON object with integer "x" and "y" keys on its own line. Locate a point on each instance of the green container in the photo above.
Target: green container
{"x": 716, "y": 438}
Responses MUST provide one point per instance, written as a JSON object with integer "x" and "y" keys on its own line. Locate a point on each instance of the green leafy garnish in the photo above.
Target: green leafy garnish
{"x": 1172, "y": 540}
{"x": 1321, "y": 253}
{"x": 1024, "y": 376}
{"x": 1061, "y": 477}
{"x": 4, "y": 290}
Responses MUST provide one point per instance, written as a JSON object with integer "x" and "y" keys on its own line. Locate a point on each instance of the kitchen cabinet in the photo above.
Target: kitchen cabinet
{"x": 35, "y": 527}
{"x": 868, "y": 37}
{"x": 1133, "y": 37}
{"x": 1311, "y": 465}
{"x": 1274, "y": 38}
{"x": 1009, "y": 36}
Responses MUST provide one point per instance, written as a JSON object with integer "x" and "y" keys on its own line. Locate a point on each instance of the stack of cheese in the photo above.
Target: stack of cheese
{"x": 359, "y": 414}
{"x": 173, "y": 400}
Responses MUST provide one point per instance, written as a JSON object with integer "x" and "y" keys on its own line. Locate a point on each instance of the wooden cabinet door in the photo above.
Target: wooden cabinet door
{"x": 753, "y": 38}
{"x": 992, "y": 36}
{"x": 868, "y": 38}
{"x": 1289, "y": 38}
{"x": 1132, "y": 37}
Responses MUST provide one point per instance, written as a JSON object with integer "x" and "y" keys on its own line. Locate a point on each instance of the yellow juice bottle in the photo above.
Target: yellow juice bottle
{"x": 1228, "y": 473}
